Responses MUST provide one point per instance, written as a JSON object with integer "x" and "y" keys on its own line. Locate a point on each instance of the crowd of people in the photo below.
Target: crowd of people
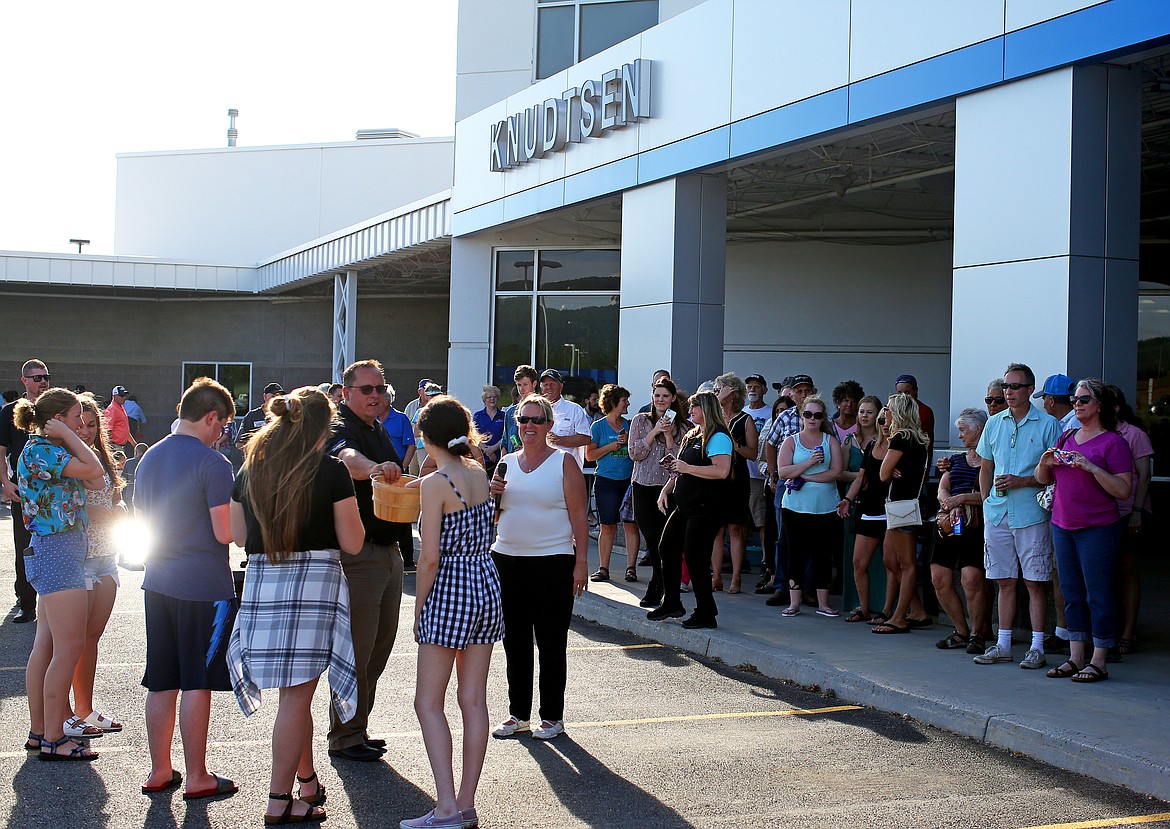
{"x": 1055, "y": 495}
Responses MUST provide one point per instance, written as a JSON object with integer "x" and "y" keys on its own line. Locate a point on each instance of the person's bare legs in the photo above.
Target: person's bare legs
{"x": 294, "y": 723}
{"x": 1038, "y": 603}
{"x": 160, "y": 732}
{"x": 64, "y": 612}
{"x": 471, "y": 666}
{"x": 943, "y": 579}
{"x": 717, "y": 553}
{"x": 194, "y": 718}
{"x": 978, "y": 594}
{"x": 605, "y": 537}
{"x": 899, "y": 559}
{"x": 1007, "y": 602}
{"x": 434, "y": 674}
{"x": 100, "y": 606}
{"x": 34, "y": 675}
{"x": 863, "y": 549}
{"x": 739, "y": 536}
{"x": 633, "y": 543}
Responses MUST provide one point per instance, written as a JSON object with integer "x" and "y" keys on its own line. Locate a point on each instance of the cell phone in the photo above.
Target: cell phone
{"x": 670, "y": 414}
{"x": 1064, "y": 457}
{"x": 667, "y": 460}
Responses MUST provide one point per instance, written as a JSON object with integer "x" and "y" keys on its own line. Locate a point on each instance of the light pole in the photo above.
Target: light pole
{"x": 79, "y": 243}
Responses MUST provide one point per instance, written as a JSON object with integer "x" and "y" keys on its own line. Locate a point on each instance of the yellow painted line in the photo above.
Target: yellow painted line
{"x": 719, "y": 716}
{"x": 1111, "y": 821}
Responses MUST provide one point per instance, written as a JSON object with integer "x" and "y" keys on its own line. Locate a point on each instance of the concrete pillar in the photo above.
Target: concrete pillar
{"x": 469, "y": 357}
{"x": 673, "y": 268}
{"x": 1047, "y": 184}
{"x": 344, "y": 321}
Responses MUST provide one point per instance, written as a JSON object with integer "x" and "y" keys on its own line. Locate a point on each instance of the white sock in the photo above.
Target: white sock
{"x": 1005, "y": 640}
{"x": 1038, "y": 640}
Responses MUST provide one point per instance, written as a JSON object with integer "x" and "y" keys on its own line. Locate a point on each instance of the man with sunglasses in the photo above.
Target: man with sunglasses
{"x": 1056, "y": 392}
{"x": 34, "y": 376}
{"x": 1017, "y": 529}
{"x": 375, "y": 574}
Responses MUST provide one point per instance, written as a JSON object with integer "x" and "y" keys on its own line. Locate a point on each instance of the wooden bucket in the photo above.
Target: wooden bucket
{"x": 394, "y": 502}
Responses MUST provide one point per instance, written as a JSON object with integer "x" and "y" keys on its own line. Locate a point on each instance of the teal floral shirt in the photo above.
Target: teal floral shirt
{"x": 51, "y": 502}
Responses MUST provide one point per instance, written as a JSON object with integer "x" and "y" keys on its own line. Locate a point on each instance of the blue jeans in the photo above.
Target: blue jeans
{"x": 1087, "y": 562}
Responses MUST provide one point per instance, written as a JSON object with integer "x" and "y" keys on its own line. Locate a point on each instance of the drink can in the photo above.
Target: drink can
{"x": 958, "y": 528}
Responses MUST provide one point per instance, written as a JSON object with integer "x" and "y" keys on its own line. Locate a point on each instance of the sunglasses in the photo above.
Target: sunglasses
{"x": 38, "y": 378}
{"x": 1084, "y": 399}
{"x": 380, "y": 388}
{"x": 1017, "y": 386}
{"x": 990, "y": 400}
{"x": 537, "y": 420}
{"x": 813, "y": 415}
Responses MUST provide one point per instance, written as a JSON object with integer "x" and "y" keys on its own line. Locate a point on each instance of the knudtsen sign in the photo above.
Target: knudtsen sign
{"x": 621, "y": 97}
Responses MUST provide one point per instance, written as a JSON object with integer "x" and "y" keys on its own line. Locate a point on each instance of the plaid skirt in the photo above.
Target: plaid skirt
{"x": 293, "y": 624}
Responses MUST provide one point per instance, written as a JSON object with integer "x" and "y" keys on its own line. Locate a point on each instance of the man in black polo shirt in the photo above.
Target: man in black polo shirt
{"x": 254, "y": 419}
{"x": 34, "y": 376}
{"x": 375, "y": 574}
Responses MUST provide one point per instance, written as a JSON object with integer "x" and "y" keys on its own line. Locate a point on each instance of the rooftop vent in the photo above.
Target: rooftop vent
{"x": 233, "y": 133}
{"x": 388, "y": 132}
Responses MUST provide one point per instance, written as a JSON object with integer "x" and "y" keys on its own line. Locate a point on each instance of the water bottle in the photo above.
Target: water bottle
{"x": 958, "y": 527}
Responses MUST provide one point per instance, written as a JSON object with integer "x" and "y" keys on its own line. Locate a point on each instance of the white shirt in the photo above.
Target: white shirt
{"x": 571, "y": 419}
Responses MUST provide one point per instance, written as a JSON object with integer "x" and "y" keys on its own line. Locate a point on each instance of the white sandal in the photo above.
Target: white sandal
{"x": 76, "y": 727}
{"x": 106, "y": 724}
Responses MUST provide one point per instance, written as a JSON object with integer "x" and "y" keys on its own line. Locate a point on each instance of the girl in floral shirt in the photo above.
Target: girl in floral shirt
{"x": 49, "y": 474}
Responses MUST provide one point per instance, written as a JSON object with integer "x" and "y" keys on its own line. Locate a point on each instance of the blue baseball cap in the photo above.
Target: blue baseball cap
{"x": 1058, "y": 385}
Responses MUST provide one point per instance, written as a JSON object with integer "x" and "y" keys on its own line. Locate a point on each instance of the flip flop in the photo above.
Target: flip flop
{"x": 878, "y": 618}
{"x": 222, "y": 786}
{"x": 856, "y": 616}
{"x": 1064, "y": 671}
{"x": 830, "y": 613}
{"x": 175, "y": 780}
{"x": 1090, "y": 673}
{"x": 886, "y": 628}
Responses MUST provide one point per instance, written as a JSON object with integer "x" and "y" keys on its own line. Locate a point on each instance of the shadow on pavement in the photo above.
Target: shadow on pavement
{"x": 373, "y": 789}
{"x": 75, "y": 783}
{"x": 595, "y": 795}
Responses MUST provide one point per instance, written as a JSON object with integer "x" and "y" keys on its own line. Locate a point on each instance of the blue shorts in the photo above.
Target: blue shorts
{"x": 57, "y": 562}
{"x": 609, "y": 494}
{"x": 98, "y": 567}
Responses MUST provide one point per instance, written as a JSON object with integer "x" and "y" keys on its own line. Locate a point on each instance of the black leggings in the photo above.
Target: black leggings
{"x": 650, "y": 523}
{"x": 538, "y": 603}
{"x": 810, "y": 536}
{"x": 693, "y": 537}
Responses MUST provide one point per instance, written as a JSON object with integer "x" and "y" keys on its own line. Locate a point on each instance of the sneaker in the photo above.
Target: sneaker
{"x": 510, "y": 727}
{"x": 430, "y": 821}
{"x": 976, "y": 645}
{"x": 548, "y": 730}
{"x": 992, "y": 655}
{"x": 1034, "y": 658}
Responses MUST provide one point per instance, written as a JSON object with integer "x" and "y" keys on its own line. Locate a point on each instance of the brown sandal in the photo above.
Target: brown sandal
{"x": 1090, "y": 673}
{"x": 1064, "y": 671}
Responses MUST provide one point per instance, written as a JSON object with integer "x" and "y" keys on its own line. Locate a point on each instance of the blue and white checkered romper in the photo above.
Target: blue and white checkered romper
{"x": 464, "y": 607}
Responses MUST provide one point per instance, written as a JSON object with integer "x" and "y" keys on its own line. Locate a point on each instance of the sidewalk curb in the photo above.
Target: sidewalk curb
{"x": 1065, "y": 748}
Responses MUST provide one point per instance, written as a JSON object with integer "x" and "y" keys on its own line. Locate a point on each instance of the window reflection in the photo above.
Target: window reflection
{"x": 1153, "y": 376}
{"x": 580, "y": 270}
{"x": 578, "y": 335}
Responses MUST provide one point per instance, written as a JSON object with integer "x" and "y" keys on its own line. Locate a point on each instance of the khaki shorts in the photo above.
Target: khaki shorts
{"x": 1026, "y": 549}
{"x": 757, "y": 501}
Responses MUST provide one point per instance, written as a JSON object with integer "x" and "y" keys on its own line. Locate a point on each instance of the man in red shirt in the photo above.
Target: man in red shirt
{"x": 117, "y": 421}
{"x": 908, "y": 384}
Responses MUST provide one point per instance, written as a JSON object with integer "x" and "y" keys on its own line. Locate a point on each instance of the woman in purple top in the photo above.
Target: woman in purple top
{"x": 1092, "y": 467}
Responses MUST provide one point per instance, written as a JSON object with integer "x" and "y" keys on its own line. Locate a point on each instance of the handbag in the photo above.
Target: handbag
{"x": 1044, "y": 496}
{"x": 907, "y": 513}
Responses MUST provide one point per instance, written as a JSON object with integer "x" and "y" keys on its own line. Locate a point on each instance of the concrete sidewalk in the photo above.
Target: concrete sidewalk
{"x": 1116, "y": 731}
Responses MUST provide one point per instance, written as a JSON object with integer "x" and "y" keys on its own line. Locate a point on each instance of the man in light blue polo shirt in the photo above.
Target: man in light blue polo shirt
{"x": 1017, "y": 529}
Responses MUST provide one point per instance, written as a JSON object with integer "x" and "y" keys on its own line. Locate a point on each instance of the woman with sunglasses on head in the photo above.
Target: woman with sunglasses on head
{"x": 541, "y": 553}
{"x": 1093, "y": 468}
{"x": 904, "y": 468}
{"x": 104, "y": 505}
{"x": 732, "y": 394}
{"x": 809, "y": 463}
{"x": 295, "y": 511}
{"x": 608, "y": 449}
{"x": 699, "y": 487}
{"x": 458, "y": 612}
{"x": 50, "y": 474}
{"x": 654, "y": 435}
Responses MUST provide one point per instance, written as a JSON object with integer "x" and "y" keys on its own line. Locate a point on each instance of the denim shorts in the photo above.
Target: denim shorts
{"x": 609, "y": 494}
{"x": 57, "y": 562}
{"x": 98, "y": 567}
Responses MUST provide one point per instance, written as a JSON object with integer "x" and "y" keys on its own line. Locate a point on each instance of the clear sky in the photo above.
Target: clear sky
{"x": 83, "y": 81}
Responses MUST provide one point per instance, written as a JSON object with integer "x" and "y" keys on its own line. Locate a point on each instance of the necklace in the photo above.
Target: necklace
{"x": 527, "y": 467}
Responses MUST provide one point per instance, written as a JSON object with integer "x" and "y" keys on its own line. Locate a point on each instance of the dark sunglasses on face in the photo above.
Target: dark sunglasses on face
{"x": 990, "y": 400}
{"x": 38, "y": 378}
{"x": 813, "y": 415}
{"x": 1084, "y": 399}
{"x": 380, "y": 388}
{"x": 1017, "y": 386}
{"x": 538, "y": 420}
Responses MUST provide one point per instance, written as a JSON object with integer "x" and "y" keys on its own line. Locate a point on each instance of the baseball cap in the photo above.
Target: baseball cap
{"x": 553, "y": 373}
{"x": 432, "y": 389}
{"x": 907, "y": 378}
{"x": 422, "y": 384}
{"x": 274, "y": 388}
{"x": 1059, "y": 385}
{"x": 759, "y": 378}
{"x": 799, "y": 380}
{"x": 119, "y": 391}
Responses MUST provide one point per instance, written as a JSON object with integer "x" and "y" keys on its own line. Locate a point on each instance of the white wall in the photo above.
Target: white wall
{"x": 839, "y": 312}
{"x": 242, "y": 205}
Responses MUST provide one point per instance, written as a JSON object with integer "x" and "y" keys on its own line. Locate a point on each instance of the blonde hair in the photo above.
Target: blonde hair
{"x": 280, "y": 464}
{"x": 101, "y": 440}
{"x": 30, "y": 416}
{"x": 738, "y": 389}
{"x": 904, "y": 413}
{"x": 713, "y": 421}
{"x": 825, "y": 426}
